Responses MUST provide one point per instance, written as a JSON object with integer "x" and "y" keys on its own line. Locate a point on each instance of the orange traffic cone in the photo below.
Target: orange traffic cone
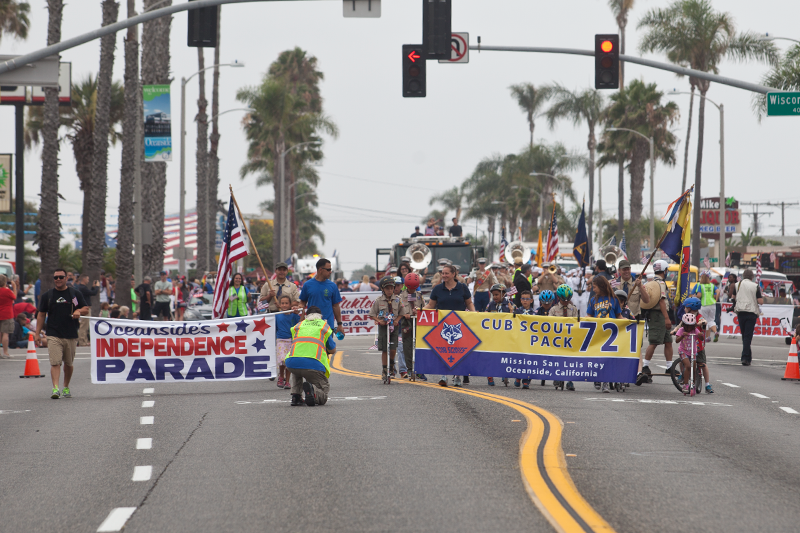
{"x": 32, "y": 363}
{"x": 792, "y": 368}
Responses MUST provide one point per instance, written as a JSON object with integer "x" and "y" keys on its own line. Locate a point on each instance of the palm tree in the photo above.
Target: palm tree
{"x": 14, "y": 19}
{"x": 131, "y": 114}
{"x": 79, "y": 121}
{"x": 95, "y": 242}
{"x": 452, "y": 200}
{"x": 212, "y": 183}
{"x": 639, "y": 108}
{"x": 692, "y": 34}
{"x": 49, "y": 230}
{"x": 201, "y": 167}
{"x": 620, "y": 8}
{"x": 584, "y": 106}
{"x": 531, "y": 101}
{"x": 155, "y": 71}
{"x": 785, "y": 76}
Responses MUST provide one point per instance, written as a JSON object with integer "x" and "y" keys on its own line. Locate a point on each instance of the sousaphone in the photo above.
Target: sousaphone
{"x": 420, "y": 256}
{"x": 612, "y": 255}
{"x": 514, "y": 251}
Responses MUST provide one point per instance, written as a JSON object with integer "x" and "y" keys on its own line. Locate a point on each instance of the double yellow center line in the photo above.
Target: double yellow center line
{"x": 541, "y": 460}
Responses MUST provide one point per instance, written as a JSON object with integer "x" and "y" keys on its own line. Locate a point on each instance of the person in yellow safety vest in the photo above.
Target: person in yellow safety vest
{"x": 707, "y": 293}
{"x": 237, "y": 297}
{"x": 312, "y": 342}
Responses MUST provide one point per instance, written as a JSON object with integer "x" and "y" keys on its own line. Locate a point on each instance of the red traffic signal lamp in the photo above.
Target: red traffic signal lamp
{"x": 413, "y": 71}
{"x": 606, "y": 61}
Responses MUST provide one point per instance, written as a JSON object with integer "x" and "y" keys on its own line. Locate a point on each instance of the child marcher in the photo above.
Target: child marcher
{"x": 498, "y": 305}
{"x": 693, "y": 306}
{"x": 547, "y": 299}
{"x": 691, "y": 339}
{"x": 386, "y": 312}
{"x": 622, "y": 296}
{"x": 526, "y": 299}
{"x": 564, "y": 308}
{"x": 284, "y": 323}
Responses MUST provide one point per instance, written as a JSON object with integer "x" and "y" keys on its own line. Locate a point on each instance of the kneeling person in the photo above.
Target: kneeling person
{"x": 312, "y": 342}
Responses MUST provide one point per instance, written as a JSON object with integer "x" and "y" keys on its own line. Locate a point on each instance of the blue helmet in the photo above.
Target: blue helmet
{"x": 692, "y": 303}
{"x": 547, "y": 297}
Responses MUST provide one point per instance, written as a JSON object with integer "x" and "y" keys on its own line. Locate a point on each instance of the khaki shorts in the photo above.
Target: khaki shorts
{"x": 61, "y": 350}
{"x": 657, "y": 328}
{"x": 7, "y": 326}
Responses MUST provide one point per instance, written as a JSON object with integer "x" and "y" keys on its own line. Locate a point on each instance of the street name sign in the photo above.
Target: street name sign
{"x": 459, "y": 49}
{"x": 783, "y": 104}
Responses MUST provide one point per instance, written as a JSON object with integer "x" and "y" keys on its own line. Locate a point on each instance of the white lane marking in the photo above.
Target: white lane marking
{"x": 644, "y": 400}
{"x": 789, "y": 410}
{"x": 147, "y": 420}
{"x": 144, "y": 444}
{"x": 330, "y": 399}
{"x": 148, "y": 403}
{"x": 757, "y": 395}
{"x": 2, "y": 412}
{"x": 148, "y": 391}
{"x": 142, "y": 473}
{"x": 116, "y": 519}
{"x": 731, "y": 385}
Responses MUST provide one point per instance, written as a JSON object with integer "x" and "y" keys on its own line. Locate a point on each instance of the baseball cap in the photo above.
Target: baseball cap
{"x": 281, "y": 265}
{"x": 624, "y": 264}
{"x": 163, "y": 272}
{"x": 660, "y": 266}
{"x": 416, "y": 227}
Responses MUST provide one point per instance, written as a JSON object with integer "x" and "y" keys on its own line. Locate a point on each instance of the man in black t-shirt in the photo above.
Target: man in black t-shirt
{"x": 145, "y": 292}
{"x": 60, "y": 309}
{"x": 455, "y": 229}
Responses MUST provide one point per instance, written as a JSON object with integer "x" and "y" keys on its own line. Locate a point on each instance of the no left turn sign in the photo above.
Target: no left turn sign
{"x": 459, "y": 49}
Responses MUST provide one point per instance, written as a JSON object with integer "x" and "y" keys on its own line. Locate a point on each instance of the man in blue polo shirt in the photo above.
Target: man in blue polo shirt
{"x": 321, "y": 292}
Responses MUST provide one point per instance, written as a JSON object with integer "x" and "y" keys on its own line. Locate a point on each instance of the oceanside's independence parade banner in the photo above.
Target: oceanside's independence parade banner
{"x": 355, "y": 313}
{"x": 775, "y": 321}
{"x": 528, "y": 347}
{"x": 130, "y": 351}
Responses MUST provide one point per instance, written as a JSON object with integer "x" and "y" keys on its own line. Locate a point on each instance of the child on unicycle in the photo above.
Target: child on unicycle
{"x": 690, "y": 338}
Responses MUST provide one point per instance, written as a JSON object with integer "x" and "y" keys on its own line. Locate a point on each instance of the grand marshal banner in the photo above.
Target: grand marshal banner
{"x": 528, "y": 347}
{"x": 775, "y": 321}
{"x": 133, "y": 351}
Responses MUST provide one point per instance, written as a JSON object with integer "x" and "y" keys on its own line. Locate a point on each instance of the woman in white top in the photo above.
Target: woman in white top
{"x": 365, "y": 285}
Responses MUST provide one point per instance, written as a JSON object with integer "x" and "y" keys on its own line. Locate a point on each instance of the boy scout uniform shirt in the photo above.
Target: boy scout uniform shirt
{"x": 549, "y": 282}
{"x": 287, "y": 288}
{"x": 484, "y": 281}
{"x": 634, "y": 296}
{"x": 382, "y": 308}
{"x": 408, "y": 308}
{"x": 559, "y": 310}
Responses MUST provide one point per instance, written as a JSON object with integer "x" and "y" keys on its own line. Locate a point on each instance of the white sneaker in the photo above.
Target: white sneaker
{"x": 457, "y": 381}
{"x": 604, "y": 387}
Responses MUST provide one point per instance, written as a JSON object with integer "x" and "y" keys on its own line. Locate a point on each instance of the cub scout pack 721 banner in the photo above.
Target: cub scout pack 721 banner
{"x": 775, "y": 321}
{"x": 129, "y": 351}
{"x": 528, "y": 347}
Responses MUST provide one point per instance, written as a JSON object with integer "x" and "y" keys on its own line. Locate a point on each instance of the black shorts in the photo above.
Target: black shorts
{"x": 161, "y": 309}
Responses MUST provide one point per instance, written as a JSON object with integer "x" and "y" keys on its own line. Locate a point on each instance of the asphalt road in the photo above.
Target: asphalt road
{"x": 235, "y": 457}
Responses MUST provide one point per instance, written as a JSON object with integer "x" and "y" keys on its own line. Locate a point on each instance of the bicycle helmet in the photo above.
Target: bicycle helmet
{"x": 547, "y": 297}
{"x": 692, "y": 303}
{"x": 622, "y": 295}
{"x": 564, "y": 292}
{"x": 386, "y": 281}
{"x": 689, "y": 319}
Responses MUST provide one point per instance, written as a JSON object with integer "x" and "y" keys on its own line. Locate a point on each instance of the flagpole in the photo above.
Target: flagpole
{"x": 247, "y": 230}
{"x": 550, "y": 228}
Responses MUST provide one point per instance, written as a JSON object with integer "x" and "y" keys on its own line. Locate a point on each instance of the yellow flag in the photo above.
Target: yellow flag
{"x": 539, "y": 251}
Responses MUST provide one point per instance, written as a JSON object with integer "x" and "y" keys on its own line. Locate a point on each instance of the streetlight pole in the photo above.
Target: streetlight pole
{"x": 651, "y": 140}
{"x": 541, "y": 197}
{"x": 722, "y": 205}
{"x": 182, "y": 239}
{"x": 286, "y": 214}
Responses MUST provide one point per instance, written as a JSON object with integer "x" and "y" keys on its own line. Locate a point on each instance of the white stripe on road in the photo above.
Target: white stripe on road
{"x": 148, "y": 391}
{"x": 731, "y": 385}
{"x": 144, "y": 444}
{"x": 148, "y": 403}
{"x": 757, "y": 395}
{"x": 116, "y": 519}
{"x": 142, "y": 473}
{"x": 789, "y": 410}
{"x": 147, "y": 420}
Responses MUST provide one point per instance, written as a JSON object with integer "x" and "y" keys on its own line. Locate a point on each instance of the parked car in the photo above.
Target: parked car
{"x": 198, "y": 309}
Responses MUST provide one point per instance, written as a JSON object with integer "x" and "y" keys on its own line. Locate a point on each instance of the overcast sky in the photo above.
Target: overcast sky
{"x": 393, "y": 153}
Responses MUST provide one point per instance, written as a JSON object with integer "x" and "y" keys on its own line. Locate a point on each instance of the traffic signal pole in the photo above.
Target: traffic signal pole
{"x": 724, "y": 80}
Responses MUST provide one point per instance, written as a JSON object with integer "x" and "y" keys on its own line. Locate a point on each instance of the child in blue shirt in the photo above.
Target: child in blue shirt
{"x": 604, "y": 303}
{"x": 283, "y": 338}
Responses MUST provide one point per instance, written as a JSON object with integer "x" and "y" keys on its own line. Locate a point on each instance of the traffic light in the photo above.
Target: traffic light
{"x": 203, "y": 27}
{"x": 436, "y": 28}
{"x": 413, "y": 71}
{"x": 606, "y": 61}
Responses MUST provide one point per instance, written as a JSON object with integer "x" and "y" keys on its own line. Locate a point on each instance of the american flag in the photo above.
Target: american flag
{"x": 728, "y": 260}
{"x": 623, "y": 245}
{"x": 552, "y": 238}
{"x": 758, "y": 268}
{"x": 773, "y": 258}
{"x": 503, "y": 244}
{"x": 232, "y": 250}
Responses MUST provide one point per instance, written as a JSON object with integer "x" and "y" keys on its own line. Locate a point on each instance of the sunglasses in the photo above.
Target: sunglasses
{"x": 328, "y": 269}
{"x": 59, "y": 277}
